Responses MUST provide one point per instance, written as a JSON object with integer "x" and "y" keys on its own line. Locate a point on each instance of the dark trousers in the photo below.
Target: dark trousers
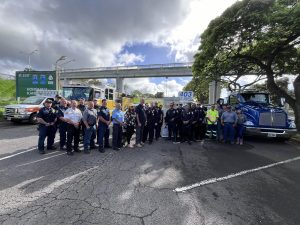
{"x": 145, "y": 133}
{"x": 180, "y": 129}
{"x": 151, "y": 131}
{"x": 72, "y": 134}
{"x": 117, "y": 136}
{"x": 186, "y": 132}
{"x": 219, "y": 131}
{"x": 103, "y": 133}
{"x": 62, "y": 134}
{"x": 46, "y": 132}
{"x": 240, "y": 131}
{"x": 172, "y": 130}
{"x": 139, "y": 133}
{"x": 228, "y": 132}
{"x": 211, "y": 131}
{"x": 129, "y": 133}
{"x": 157, "y": 130}
{"x": 89, "y": 137}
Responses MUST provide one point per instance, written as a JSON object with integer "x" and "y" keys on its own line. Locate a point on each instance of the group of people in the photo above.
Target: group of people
{"x": 194, "y": 123}
{"x": 91, "y": 121}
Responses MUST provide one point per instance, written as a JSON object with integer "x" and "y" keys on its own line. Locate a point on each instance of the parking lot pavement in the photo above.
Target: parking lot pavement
{"x": 138, "y": 186}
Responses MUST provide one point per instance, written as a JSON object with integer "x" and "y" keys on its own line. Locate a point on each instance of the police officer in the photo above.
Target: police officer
{"x": 62, "y": 124}
{"x": 46, "y": 118}
{"x": 187, "y": 117}
{"x": 171, "y": 121}
{"x": 159, "y": 116}
{"x": 56, "y": 102}
{"x": 151, "y": 115}
{"x": 81, "y": 106}
{"x": 146, "y": 127}
{"x": 201, "y": 124}
{"x": 179, "y": 121}
{"x": 104, "y": 121}
{"x": 97, "y": 107}
{"x": 89, "y": 119}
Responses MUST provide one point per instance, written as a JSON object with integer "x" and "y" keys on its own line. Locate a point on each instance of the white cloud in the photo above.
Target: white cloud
{"x": 144, "y": 85}
{"x": 129, "y": 59}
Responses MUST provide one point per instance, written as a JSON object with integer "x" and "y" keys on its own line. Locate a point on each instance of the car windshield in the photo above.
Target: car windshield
{"x": 255, "y": 97}
{"x": 33, "y": 100}
{"x": 75, "y": 93}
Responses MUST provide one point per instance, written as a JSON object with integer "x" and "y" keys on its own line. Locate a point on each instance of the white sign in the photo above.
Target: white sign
{"x": 186, "y": 96}
{"x": 48, "y": 93}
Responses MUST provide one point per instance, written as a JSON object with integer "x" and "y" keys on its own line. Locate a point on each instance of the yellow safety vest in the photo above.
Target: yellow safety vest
{"x": 212, "y": 115}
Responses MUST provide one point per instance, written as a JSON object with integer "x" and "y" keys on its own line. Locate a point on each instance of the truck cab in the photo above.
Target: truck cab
{"x": 263, "y": 118}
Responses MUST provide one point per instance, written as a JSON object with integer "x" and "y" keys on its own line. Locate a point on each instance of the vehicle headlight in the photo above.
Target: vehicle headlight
{"x": 292, "y": 124}
{"x": 21, "y": 111}
{"x": 249, "y": 123}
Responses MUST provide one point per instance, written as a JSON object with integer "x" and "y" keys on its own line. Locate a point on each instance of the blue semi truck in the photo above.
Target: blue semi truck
{"x": 263, "y": 118}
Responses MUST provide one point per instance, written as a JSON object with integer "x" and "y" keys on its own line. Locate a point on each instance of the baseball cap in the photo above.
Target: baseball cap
{"x": 48, "y": 100}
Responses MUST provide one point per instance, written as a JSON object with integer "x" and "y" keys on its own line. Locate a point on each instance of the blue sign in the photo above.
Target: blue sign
{"x": 35, "y": 79}
{"x": 43, "y": 79}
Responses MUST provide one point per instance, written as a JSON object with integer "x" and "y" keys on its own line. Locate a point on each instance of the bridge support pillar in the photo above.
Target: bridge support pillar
{"x": 214, "y": 92}
{"x": 120, "y": 84}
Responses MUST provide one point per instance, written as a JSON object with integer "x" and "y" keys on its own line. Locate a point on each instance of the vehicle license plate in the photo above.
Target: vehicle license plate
{"x": 271, "y": 135}
{"x": 8, "y": 118}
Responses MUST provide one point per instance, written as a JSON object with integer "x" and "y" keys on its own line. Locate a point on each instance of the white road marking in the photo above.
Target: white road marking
{"x": 25, "y": 164}
{"x": 215, "y": 180}
{"x": 19, "y": 153}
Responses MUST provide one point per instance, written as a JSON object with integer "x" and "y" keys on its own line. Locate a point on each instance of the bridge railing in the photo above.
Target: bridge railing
{"x": 134, "y": 67}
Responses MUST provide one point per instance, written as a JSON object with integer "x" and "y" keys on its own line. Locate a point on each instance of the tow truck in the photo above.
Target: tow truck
{"x": 263, "y": 118}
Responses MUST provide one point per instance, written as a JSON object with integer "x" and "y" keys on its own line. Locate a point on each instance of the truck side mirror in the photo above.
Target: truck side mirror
{"x": 282, "y": 102}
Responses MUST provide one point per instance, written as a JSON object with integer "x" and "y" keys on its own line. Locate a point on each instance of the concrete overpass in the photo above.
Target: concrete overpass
{"x": 137, "y": 71}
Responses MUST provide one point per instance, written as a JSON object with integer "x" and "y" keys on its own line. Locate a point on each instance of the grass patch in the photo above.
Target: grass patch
{"x": 7, "y": 89}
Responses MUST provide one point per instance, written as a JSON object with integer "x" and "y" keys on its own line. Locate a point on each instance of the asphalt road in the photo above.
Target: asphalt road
{"x": 136, "y": 186}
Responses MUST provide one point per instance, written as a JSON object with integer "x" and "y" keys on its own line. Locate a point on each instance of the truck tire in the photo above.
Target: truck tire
{"x": 33, "y": 118}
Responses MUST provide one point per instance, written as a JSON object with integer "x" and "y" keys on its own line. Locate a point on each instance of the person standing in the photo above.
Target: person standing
{"x": 73, "y": 117}
{"x": 62, "y": 124}
{"x": 212, "y": 119}
{"x": 159, "y": 117}
{"x": 151, "y": 114}
{"x": 179, "y": 121}
{"x": 89, "y": 119}
{"x": 130, "y": 122}
{"x": 118, "y": 123}
{"x": 221, "y": 109}
{"x": 81, "y": 106}
{"x": 229, "y": 120}
{"x": 46, "y": 118}
{"x": 171, "y": 117}
{"x": 140, "y": 122}
{"x": 187, "y": 119}
{"x": 241, "y": 119}
{"x": 97, "y": 107}
{"x": 103, "y": 126}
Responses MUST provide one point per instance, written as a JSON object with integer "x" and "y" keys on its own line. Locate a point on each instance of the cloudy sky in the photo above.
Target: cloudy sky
{"x": 105, "y": 33}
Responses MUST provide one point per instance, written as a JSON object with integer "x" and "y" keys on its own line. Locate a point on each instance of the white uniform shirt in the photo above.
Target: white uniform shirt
{"x": 74, "y": 115}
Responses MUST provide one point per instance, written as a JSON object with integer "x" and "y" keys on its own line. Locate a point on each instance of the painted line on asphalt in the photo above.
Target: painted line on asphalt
{"x": 218, "y": 179}
{"x": 25, "y": 164}
{"x": 19, "y": 153}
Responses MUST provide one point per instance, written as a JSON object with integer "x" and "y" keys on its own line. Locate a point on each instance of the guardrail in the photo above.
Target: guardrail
{"x": 135, "y": 67}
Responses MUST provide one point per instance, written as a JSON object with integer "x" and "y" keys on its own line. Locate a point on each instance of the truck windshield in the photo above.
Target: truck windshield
{"x": 75, "y": 93}
{"x": 33, "y": 100}
{"x": 255, "y": 97}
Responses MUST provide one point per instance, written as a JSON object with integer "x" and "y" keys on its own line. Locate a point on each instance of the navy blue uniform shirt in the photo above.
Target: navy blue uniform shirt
{"x": 47, "y": 114}
{"x": 140, "y": 111}
{"x": 103, "y": 112}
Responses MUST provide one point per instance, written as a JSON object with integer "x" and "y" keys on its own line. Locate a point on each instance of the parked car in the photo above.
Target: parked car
{"x": 25, "y": 111}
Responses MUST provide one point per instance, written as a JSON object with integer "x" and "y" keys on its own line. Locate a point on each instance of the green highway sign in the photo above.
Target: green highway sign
{"x": 28, "y": 82}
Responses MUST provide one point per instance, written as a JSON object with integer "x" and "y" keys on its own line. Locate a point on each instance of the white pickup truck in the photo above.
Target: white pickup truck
{"x": 25, "y": 111}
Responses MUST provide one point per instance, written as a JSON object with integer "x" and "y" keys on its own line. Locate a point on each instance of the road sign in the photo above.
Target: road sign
{"x": 186, "y": 96}
{"x": 28, "y": 82}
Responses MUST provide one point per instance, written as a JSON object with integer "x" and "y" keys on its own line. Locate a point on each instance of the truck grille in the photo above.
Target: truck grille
{"x": 10, "y": 111}
{"x": 272, "y": 119}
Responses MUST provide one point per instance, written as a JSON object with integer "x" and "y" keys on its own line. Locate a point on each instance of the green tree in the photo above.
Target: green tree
{"x": 259, "y": 37}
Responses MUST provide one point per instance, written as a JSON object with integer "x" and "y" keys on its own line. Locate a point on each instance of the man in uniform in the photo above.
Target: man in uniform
{"x": 103, "y": 126}
{"x": 46, "y": 118}
{"x": 179, "y": 121}
{"x": 212, "y": 119}
{"x": 159, "y": 117}
{"x": 97, "y": 107}
{"x": 62, "y": 124}
{"x": 81, "y": 106}
{"x": 73, "y": 117}
{"x": 187, "y": 118}
{"x": 171, "y": 121}
{"x": 229, "y": 120}
{"x": 140, "y": 123}
{"x": 200, "y": 132}
{"x": 89, "y": 119}
{"x": 151, "y": 115}
{"x": 118, "y": 123}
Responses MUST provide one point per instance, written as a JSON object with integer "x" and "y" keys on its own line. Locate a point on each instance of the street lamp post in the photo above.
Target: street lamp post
{"x": 29, "y": 57}
{"x": 57, "y": 72}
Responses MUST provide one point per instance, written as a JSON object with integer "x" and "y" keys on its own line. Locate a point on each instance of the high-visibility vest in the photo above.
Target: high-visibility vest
{"x": 212, "y": 115}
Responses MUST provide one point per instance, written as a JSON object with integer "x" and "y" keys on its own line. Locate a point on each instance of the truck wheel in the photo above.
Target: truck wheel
{"x": 33, "y": 118}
